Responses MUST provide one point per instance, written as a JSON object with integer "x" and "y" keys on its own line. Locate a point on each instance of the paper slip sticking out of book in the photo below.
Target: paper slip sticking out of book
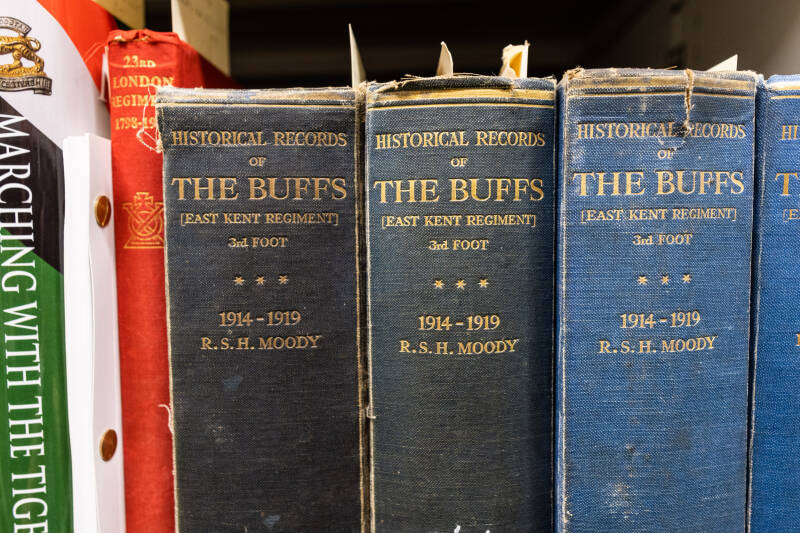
{"x": 732, "y": 63}
{"x": 357, "y": 73}
{"x": 445, "y": 65}
{"x": 204, "y": 25}
{"x": 131, "y": 12}
{"x": 515, "y": 61}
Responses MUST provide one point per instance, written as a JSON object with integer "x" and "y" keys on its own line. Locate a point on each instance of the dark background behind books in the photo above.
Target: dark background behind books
{"x": 283, "y": 43}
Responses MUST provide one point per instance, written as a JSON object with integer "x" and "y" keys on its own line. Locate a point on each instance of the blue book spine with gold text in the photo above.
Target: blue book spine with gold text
{"x": 460, "y": 215}
{"x": 655, "y": 221}
{"x": 774, "y": 503}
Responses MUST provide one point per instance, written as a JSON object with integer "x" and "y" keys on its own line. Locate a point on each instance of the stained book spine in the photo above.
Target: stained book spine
{"x": 653, "y": 294}
{"x": 774, "y": 502}
{"x": 261, "y": 265}
{"x": 139, "y": 62}
{"x": 460, "y": 183}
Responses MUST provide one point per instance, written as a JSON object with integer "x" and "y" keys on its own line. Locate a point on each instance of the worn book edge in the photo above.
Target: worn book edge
{"x": 755, "y": 290}
{"x": 364, "y": 361}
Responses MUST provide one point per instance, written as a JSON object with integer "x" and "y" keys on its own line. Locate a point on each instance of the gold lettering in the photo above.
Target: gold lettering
{"x": 785, "y": 176}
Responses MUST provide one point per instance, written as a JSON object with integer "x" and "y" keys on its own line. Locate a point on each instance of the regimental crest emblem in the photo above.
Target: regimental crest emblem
{"x": 145, "y": 222}
{"x": 19, "y": 75}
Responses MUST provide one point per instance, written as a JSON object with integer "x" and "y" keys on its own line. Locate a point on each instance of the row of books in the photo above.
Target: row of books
{"x": 500, "y": 386}
{"x": 652, "y": 283}
{"x": 458, "y": 303}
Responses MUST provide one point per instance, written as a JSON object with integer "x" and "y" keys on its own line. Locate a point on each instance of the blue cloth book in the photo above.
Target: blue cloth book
{"x": 655, "y": 214}
{"x": 774, "y": 503}
{"x": 460, "y": 220}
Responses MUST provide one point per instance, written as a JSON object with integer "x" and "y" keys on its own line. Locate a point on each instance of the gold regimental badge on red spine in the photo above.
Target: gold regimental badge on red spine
{"x": 19, "y": 75}
{"x": 145, "y": 221}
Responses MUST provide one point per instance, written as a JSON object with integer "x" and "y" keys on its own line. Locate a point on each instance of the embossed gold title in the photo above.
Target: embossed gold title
{"x": 424, "y": 190}
{"x": 662, "y": 182}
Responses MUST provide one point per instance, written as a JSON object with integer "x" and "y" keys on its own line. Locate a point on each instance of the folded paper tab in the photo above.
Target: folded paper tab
{"x": 515, "y": 61}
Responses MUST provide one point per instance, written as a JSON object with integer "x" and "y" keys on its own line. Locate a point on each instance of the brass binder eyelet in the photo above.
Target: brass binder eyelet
{"x": 108, "y": 444}
{"x": 102, "y": 210}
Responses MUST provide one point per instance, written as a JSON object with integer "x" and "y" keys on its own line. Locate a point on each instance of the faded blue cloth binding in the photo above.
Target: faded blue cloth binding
{"x": 775, "y": 418}
{"x": 260, "y": 207}
{"x": 460, "y": 194}
{"x": 655, "y": 221}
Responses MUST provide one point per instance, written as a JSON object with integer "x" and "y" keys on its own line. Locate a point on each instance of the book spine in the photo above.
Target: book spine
{"x": 261, "y": 264}
{"x": 774, "y": 499}
{"x": 36, "y": 483}
{"x": 460, "y": 205}
{"x": 653, "y": 300}
{"x": 137, "y": 65}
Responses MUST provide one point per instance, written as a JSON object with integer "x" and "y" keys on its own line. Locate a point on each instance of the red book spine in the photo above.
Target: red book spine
{"x": 139, "y": 61}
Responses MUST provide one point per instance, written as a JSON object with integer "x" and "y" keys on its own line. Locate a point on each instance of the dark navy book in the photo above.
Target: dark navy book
{"x": 653, "y": 299}
{"x": 460, "y": 201}
{"x": 775, "y": 432}
{"x": 262, "y": 294}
